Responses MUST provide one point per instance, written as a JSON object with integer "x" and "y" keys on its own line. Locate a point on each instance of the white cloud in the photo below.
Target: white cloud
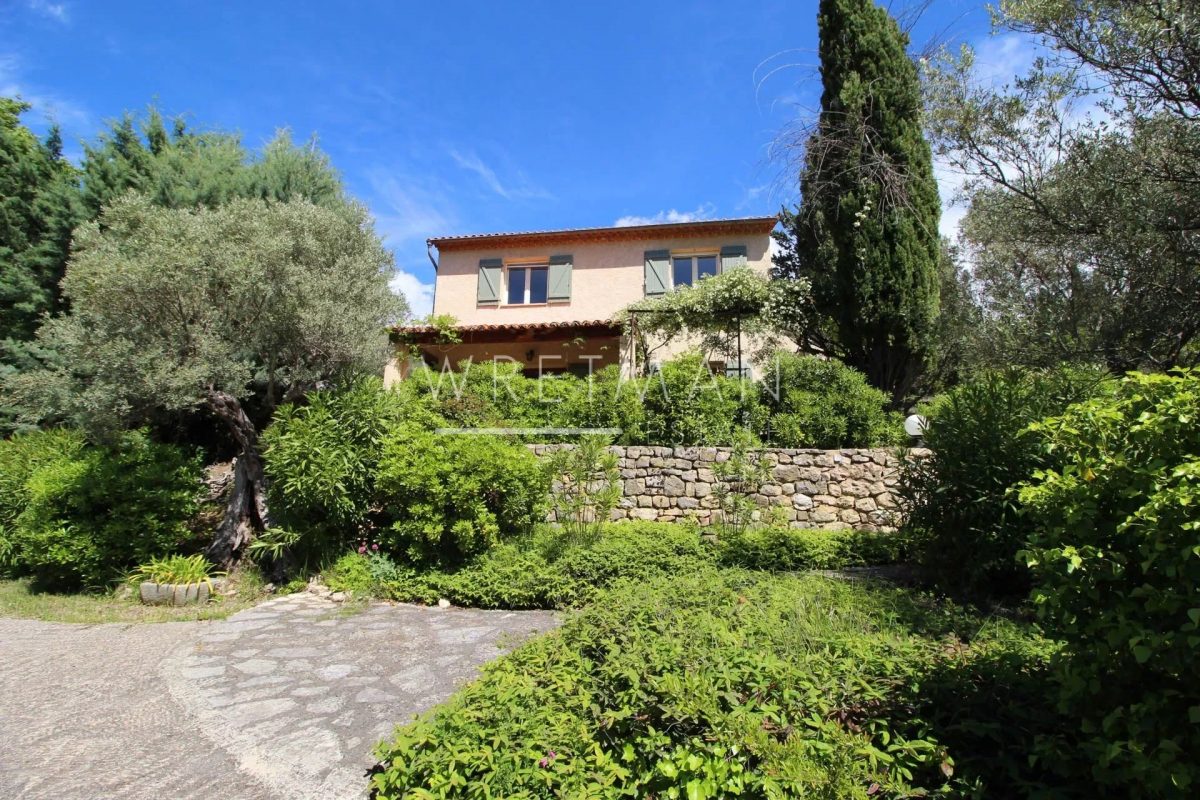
{"x": 1000, "y": 59}
{"x": 406, "y": 210}
{"x": 702, "y": 212}
{"x": 55, "y": 11}
{"x": 418, "y": 293}
{"x": 74, "y": 118}
{"x": 518, "y": 189}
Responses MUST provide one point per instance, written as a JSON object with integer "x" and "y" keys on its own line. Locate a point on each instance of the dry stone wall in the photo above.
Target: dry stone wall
{"x": 826, "y": 489}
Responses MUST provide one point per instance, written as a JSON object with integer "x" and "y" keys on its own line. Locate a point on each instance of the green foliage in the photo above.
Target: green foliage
{"x": 685, "y": 404}
{"x": 738, "y": 477}
{"x": 810, "y": 402}
{"x": 176, "y": 569}
{"x": 605, "y": 400}
{"x": 170, "y": 308}
{"x": 823, "y": 403}
{"x": 20, "y": 457}
{"x": 962, "y": 508}
{"x": 866, "y": 231}
{"x": 84, "y": 515}
{"x": 38, "y": 209}
{"x": 778, "y": 548}
{"x": 454, "y": 496}
{"x": 498, "y": 394}
{"x": 1060, "y": 261}
{"x": 351, "y": 573}
{"x": 588, "y": 484}
{"x": 1115, "y": 556}
{"x": 323, "y": 457}
{"x": 187, "y": 168}
{"x": 716, "y": 308}
{"x": 701, "y": 685}
{"x": 552, "y": 568}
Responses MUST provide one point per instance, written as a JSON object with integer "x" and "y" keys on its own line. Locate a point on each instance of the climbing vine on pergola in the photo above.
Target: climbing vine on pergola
{"x": 720, "y": 311}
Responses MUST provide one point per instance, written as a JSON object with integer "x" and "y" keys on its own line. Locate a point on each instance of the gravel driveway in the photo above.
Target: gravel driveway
{"x": 284, "y": 700}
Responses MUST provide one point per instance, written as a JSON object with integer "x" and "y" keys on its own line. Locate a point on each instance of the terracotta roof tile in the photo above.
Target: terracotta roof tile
{"x": 511, "y": 326}
{"x": 626, "y": 232}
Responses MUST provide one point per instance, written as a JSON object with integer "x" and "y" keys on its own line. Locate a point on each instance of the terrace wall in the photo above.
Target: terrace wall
{"x": 826, "y": 489}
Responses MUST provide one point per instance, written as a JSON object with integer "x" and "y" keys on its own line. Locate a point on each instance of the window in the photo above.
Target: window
{"x": 687, "y": 270}
{"x": 526, "y": 285}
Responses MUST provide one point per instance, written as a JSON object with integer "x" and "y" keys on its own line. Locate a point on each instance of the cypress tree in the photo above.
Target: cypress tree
{"x": 866, "y": 230}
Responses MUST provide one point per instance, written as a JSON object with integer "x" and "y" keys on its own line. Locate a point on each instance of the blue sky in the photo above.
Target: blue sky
{"x": 448, "y": 117}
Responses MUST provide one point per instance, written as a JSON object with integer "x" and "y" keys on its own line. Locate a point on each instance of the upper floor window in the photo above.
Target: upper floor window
{"x": 527, "y": 284}
{"x": 687, "y": 270}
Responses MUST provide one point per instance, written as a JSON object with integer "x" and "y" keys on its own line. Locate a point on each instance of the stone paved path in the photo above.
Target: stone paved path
{"x": 285, "y": 700}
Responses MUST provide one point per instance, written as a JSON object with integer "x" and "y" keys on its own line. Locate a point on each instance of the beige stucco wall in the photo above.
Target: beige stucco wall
{"x": 607, "y": 276}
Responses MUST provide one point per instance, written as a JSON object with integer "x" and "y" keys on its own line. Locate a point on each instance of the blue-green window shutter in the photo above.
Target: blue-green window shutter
{"x": 733, "y": 256}
{"x": 559, "y": 279}
{"x": 658, "y": 265}
{"x": 489, "y": 280}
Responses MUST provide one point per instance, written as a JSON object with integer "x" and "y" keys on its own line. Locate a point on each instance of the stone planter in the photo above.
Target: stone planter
{"x": 174, "y": 594}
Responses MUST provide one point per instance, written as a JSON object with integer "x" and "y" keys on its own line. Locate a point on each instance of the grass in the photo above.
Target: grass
{"x": 19, "y": 598}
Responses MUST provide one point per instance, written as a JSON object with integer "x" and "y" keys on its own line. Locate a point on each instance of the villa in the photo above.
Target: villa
{"x": 547, "y": 299}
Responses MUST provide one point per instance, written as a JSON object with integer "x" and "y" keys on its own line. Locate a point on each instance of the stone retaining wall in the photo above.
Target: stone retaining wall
{"x": 812, "y": 488}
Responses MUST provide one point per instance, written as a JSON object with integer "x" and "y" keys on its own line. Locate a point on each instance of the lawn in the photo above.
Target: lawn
{"x": 19, "y": 598}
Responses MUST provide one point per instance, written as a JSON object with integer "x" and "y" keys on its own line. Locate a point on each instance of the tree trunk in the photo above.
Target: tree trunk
{"x": 246, "y": 509}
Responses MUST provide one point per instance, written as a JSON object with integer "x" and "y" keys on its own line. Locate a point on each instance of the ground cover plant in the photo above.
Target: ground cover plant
{"x": 708, "y": 684}
{"x": 556, "y": 568}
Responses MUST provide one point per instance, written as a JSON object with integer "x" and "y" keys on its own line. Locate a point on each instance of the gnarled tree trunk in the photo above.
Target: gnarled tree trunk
{"x": 246, "y": 508}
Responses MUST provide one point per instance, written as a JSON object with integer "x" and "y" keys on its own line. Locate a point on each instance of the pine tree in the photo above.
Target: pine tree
{"x": 866, "y": 230}
{"x": 38, "y": 209}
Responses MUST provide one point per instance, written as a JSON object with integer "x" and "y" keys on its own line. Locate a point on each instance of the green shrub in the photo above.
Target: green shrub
{"x": 351, "y": 573}
{"x": 605, "y": 400}
{"x": 963, "y": 514}
{"x": 1115, "y": 555}
{"x": 738, "y": 477}
{"x": 587, "y": 484}
{"x": 455, "y": 496}
{"x": 322, "y": 459}
{"x": 777, "y": 548}
{"x": 176, "y": 569}
{"x": 685, "y": 404}
{"x": 20, "y": 457}
{"x": 91, "y": 513}
{"x": 823, "y": 403}
{"x": 704, "y": 684}
{"x": 552, "y": 568}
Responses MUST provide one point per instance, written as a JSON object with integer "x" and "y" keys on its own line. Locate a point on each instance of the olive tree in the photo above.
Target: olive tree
{"x": 174, "y": 309}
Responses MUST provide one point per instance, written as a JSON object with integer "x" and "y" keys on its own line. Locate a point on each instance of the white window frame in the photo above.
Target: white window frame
{"x": 541, "y": 263}
{"x": 695, "y": 256}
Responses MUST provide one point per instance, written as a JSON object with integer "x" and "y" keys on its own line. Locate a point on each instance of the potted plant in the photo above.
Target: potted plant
{"x": 175, "y": 580}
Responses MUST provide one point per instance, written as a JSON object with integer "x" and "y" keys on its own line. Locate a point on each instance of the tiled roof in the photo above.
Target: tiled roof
{"x": 654, "y": 230}
{"x": 512, "y": 326}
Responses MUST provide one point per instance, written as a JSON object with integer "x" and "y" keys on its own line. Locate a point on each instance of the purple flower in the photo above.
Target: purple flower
{"x": 375, "y": 547}
{"x": 543, "y": 763}
{"x": 362, "y": 549}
